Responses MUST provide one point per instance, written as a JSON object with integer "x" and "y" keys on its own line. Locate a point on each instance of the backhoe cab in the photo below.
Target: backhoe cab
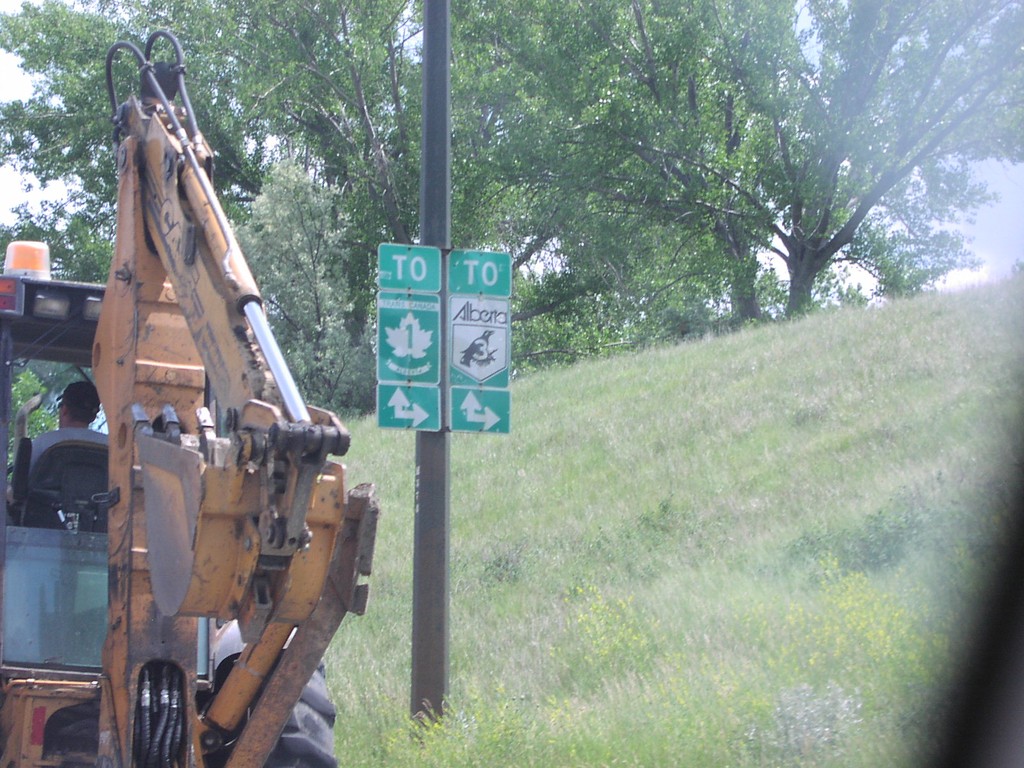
{"x": 168, "y": 597}
{"x": 54, "y": 609}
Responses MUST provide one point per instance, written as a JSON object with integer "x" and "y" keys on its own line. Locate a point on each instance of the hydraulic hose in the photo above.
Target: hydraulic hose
{"x": 163, "y": 713}
{"x": 172, "y": 744}
{"x": 159, "y": 716}
{"x": 142, "y": 717}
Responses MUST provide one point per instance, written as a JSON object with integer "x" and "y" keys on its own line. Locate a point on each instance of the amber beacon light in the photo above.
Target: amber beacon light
{"x": 28, "y": 258}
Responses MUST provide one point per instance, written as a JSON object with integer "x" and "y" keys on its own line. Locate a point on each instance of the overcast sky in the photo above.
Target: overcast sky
{"x": 996, "y": 235}
{"x": 998, "y": 232}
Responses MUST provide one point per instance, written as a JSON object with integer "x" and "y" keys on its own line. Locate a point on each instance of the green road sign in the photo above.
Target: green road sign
{"x": 480, "y": 410}
{"x": 408, "y": 338}
{"x": 484, "y": 273}
{"x": 408, "y": 407}
{"x": 409, "y": 268}
{"x": 479, "y": 341}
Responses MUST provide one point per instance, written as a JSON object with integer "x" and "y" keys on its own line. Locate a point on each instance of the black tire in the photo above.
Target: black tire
{"x": 307, "y": 740}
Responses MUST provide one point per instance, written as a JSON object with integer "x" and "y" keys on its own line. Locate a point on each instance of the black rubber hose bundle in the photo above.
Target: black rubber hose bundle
{"x": 159, "y": 718}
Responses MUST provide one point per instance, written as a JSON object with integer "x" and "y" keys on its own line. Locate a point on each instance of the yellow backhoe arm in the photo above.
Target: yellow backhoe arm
{"x": 250, "y": 526}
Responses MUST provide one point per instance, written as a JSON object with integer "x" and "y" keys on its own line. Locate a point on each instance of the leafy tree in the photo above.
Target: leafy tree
{"x": 867, "y": 110}
{"x": 609, "y": 91}
{"x": 638, "y": 158}
{"x": 62, "y": 133}
{"x": 295, "y": 245}
{"x": 324, "y": 87}
{"x": 780, "y": 127}
{"x": 339, "y": 86}
{"x": 599, "y": 271}
{"x": 333, "y": 87}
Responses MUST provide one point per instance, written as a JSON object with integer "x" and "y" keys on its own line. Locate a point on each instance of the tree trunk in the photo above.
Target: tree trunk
{"x": 743, "y": 288}
{"x": 743, "y": 272}
{"x": 799, "y": 300}
{"x": 803, "y": 270}
{"x": 745, "y": 305}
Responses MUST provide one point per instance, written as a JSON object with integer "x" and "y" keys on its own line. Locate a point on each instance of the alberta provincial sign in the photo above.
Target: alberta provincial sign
{"x": 479, "y": 346}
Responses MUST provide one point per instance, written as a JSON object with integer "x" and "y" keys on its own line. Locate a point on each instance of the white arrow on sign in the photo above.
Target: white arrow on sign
{"x": 477, "y": 414}
{"x": 406, "y": 410}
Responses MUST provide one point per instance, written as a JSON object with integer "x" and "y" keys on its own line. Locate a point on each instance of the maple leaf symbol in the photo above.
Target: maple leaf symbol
{"x": 409, "y": 339}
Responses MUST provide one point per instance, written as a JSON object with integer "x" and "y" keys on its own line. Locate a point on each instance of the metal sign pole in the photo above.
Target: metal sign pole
{"x": 430, "y": 536}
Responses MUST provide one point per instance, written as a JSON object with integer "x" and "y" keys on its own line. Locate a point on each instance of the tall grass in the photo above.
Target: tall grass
{"x": 753, "y": 550}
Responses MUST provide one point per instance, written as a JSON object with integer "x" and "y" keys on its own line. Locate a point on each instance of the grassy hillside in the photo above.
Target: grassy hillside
{"x": 753, "y": 550}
